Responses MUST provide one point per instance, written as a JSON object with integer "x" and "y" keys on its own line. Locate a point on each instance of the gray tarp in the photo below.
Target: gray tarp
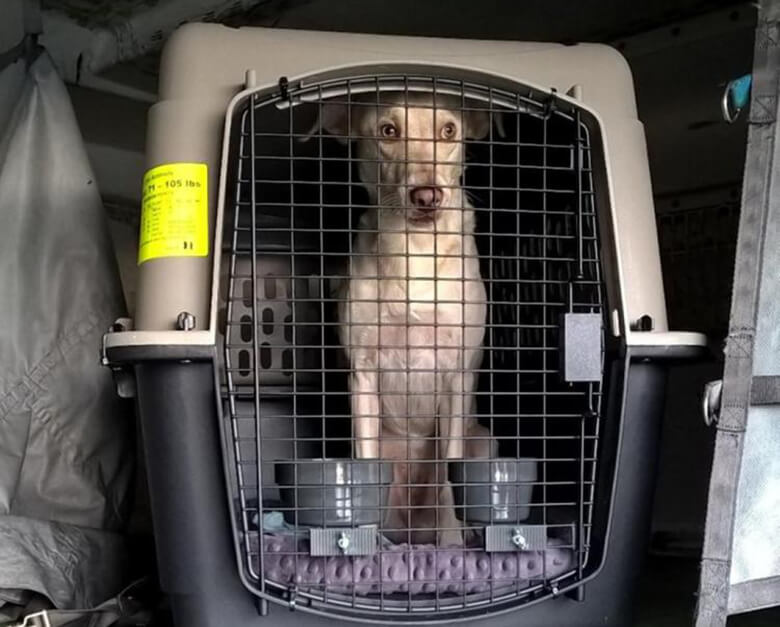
{"x": 66, "y": 455}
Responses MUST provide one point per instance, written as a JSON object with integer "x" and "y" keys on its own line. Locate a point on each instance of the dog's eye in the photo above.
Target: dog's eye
{"x": 388, "y": 130}
{"x": 449, "y": 130}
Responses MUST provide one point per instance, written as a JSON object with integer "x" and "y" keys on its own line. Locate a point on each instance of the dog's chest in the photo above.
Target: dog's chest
{"x": 419, "y": 295}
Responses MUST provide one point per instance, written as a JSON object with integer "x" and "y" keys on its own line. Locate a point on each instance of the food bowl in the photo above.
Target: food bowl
{"x": 333, "y": 492}
{"x": 493, "y": 491}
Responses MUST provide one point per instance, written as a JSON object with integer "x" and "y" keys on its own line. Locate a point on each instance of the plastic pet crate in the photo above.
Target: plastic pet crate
{"x": 263, "y": 499}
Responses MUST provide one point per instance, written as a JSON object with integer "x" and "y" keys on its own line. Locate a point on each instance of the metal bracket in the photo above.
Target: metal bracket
{"x": 506, "y": 538}
{"x": 120, "y": 324}
{"x": 710, "y": 402}
{"x": 38, "y": 619}
{"x": 124, "y": 378}
{"x": 357, "y": 541}
{"x": 581, "y": 347}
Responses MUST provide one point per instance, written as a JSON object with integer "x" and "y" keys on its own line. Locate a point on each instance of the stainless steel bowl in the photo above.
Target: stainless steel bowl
{"x": 333, "y": 492}
{"x": 493, "y": 491}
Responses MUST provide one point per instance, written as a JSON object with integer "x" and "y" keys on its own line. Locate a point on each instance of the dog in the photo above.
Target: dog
{"x": 412, "y": 308}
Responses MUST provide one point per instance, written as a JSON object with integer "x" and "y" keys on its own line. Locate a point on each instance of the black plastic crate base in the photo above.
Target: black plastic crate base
{"x": 198, "y": 561}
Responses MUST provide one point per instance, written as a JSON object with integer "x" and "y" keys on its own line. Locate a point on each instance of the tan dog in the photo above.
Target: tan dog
{"x": 412, "y": 311}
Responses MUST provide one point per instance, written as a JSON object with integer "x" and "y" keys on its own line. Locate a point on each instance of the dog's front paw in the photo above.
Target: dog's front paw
{"x": 449, "y": 537}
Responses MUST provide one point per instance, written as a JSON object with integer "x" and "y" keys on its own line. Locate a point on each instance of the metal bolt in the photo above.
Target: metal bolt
{"x": 250, "y": 79}
{"x": 185, "y": 321}
{"x": 343, "y": 542}
{"x": 284, "y": 86}
{"x": 518, "y": 539}
{"x": 645, "y": 323}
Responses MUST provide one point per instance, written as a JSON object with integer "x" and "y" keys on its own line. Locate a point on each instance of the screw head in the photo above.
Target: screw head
{"x": 185, "y": 321}
{"x": 519, "y": 540}
{"x": 343, "y": 541}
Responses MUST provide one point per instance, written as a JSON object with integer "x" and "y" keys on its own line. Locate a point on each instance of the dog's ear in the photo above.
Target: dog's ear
{"x": 477, "y": 124}
{"x": 333, "y": 118}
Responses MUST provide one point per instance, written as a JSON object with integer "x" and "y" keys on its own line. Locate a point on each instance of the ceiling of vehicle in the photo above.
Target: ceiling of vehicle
{"x": 584, "y": 20}
{"x": 608, "y": 21}
{"x": 682, "y": 53}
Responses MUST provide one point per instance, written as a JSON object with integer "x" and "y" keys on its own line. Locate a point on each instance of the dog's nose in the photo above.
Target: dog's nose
{"x": 426, "y": 198}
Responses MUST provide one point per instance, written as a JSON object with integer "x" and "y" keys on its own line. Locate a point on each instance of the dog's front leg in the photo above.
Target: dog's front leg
{"x": 456, "y": 401}
{"x": 364, "y": 388}
{"x": 450, "y": 529}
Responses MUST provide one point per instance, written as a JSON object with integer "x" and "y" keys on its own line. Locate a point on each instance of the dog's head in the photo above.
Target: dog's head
{"x": 411, "y": 153}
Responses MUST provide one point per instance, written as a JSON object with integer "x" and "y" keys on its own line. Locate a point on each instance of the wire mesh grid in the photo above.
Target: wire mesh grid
{"x": 401, "y": 251}
{"x": 698, "y": 245}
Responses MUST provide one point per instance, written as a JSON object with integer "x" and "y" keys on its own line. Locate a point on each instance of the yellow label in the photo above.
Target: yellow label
{"x": 174, "y": 212}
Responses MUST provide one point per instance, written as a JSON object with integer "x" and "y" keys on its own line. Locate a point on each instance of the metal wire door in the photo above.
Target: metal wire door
{"x": 438, "y": 507}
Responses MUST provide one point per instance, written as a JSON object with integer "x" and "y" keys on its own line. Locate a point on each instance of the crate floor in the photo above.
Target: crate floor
{"x": 410, "y": 569}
